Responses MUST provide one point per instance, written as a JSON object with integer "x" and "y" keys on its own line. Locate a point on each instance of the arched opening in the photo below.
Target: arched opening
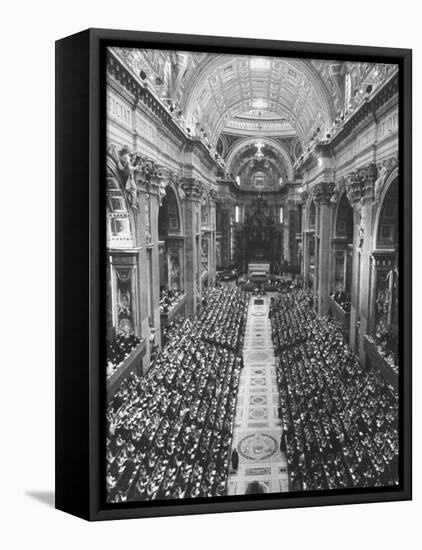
{"x": 343, "y": 255}
{"x": 387, "y": 230}
{"x": 170, "y": 253}
{"x": 311, "y": 248}
{"x": 386, "y": 296}
{"x": 204, "y": 248}
{"x": 312, "y": 216}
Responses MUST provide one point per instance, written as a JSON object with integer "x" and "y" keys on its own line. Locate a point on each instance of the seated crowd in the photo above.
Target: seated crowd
{"x": 342, "y": 299}
{"x": 169, "y": 432}
{"x": 387, "y": 344}
{"x": 168, "y": 299}
{"x": 340, "y": 420}
{"x": 222, "y": 319}
{"x": 117, "y": 351}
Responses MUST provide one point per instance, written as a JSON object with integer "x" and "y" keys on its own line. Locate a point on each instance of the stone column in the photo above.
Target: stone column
{"x": 155, "y": 259}
{"x": 322, "y": 195}
{"x": 368, "y": 176}
{"x": 360, "y": 192}
{"x": 192, "y": 189}
{"x": 305, "y": 245}
{"x": 211, "y": 252}
{"x": 143, "y": 240}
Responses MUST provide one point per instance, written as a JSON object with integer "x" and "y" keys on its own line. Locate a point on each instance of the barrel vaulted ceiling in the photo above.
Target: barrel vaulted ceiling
{"x": 214, "y": 92}
{"x": 228, "y": 86}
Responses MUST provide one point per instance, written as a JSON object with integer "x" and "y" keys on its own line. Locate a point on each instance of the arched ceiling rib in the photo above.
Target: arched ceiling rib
{"x": 271, "y": 148}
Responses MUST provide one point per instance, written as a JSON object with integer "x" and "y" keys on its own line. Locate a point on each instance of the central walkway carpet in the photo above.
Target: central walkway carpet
{"x": 257, "y": 427}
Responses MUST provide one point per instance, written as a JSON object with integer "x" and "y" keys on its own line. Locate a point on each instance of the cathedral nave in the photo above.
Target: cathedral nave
{"x": 252, "y": 275}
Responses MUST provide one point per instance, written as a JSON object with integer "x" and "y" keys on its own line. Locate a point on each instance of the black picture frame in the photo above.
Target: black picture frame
{"x": 80, "y": 251}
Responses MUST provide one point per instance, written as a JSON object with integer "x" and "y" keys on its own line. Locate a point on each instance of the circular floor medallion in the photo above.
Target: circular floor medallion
{"x": 257, "y": 447}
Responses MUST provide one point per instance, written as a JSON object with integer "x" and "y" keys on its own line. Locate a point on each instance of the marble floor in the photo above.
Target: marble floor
{"x": 257, "y": 428}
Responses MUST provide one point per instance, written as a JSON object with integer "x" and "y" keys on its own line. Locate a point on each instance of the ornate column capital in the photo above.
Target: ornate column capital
{"x": 213, "y": 196}
{"x": 304, "y": 197}
{"x": 149, "y": 176}
{"x": 192, "y": 188}
{"x": 360, "y": 185}
{"x": 354, "y": 189}
{"x": 322, "y": 192}
{"x": 369, "y": 176}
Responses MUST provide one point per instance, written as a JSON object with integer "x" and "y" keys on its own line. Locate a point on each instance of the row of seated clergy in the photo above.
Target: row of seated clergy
{"x": 169, "y": 298}
{"x": 340, "y": 419}
{"x": 169, "y": 433}
{"x": 119, "y": 349}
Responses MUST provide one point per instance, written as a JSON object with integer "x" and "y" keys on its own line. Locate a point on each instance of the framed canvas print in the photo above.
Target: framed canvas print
{"x": 233, "y": 274}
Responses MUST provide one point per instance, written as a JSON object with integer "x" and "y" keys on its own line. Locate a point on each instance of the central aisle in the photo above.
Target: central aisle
{"x": 257, "y": 428}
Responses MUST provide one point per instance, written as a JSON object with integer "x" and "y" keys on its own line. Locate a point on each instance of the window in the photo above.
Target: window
{"x": 237, "y": 214}
{"x": 281, "y": 214}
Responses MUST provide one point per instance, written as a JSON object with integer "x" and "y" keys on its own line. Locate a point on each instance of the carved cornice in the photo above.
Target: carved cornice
{"x": 322, "y": 192}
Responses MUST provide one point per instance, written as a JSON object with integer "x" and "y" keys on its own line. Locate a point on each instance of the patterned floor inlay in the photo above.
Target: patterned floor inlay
{"x": 258, "y": 414}
{"x": 257, "y": 471}
{"x": 257, "y": 427}
{"x": 258, "y": 381}
{"x": 257, "y": 356}
{"x": 256, "y": 400}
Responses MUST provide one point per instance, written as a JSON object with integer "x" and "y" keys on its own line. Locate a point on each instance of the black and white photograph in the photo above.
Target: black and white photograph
{"x": 252, "y": 275}
{"x": 211, "y": 294}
